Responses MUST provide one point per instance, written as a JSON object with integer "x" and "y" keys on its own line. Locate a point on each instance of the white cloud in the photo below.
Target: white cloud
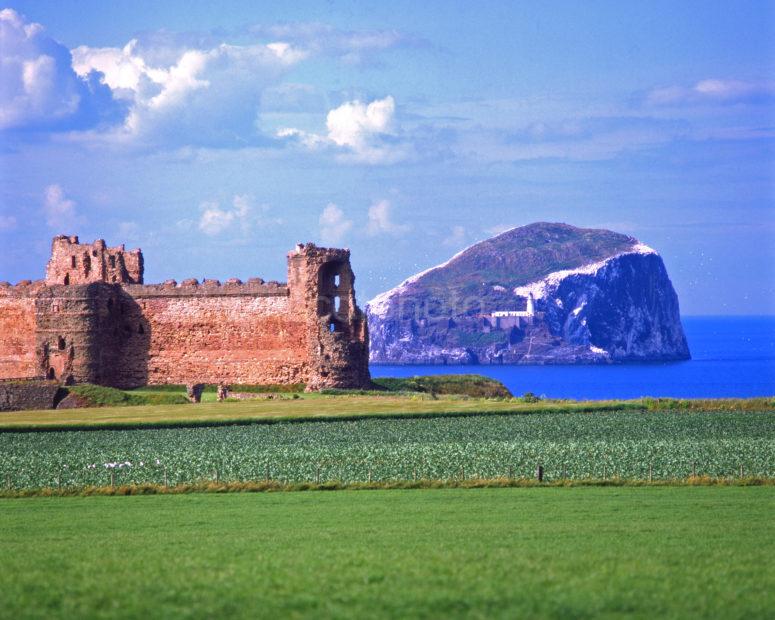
{"x": 365, "y": 133}
{"x": 207, "y": 96}
{"x": 711, "y": 91}
{"x": 353, "y": 123}
{"x": 287, "y": 52}
{"x": 60, "y": 211}
{"x": 7, "y": 222}
{"x": 243, "y": 216}
{"x": 215, "y": 220}
{"x": 456, "y": 237}
{"x": 351, "y": 47}
{"x": 380, "y": 221}
{"x": 333, "y": 224}
{"x": 38, "y": 87}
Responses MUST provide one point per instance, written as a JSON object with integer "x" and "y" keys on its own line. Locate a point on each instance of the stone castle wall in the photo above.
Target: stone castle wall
{"x": 126, "y": 334}
{"x": 19, "y": 395}
{"x": 17, "y": 331}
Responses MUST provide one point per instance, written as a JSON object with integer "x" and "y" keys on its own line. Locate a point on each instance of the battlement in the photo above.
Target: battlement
{"x": 254, "y": 287}
{"x": 72, "y": 262}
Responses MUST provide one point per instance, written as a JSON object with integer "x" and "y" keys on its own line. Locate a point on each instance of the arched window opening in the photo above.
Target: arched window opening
{"x": 113, "y": 279}
{"x": 61, "y": 343}
{"x": 112, "y": 261}
{"x": 94, "y": 253}
{"x": 332, "y": 327}
{"x": 70, "y": 380}
{"x": 67, "y": 279}
{"x": 51, "y": 374}
{"x": 72, "y": 262}
{"x": 337, "y": 303}
{"x": 336, "y": 279}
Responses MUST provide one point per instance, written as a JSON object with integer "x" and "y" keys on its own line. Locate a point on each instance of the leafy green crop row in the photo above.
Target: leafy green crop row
{"x": 622, "y": 444}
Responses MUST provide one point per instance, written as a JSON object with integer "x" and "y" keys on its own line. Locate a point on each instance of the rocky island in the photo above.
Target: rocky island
{"x": 537, "y": 294}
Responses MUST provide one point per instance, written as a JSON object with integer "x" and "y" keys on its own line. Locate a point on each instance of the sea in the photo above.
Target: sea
{"x": 731, "y": 357}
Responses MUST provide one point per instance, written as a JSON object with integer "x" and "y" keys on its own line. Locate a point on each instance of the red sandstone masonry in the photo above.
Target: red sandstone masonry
{"x": 127, "y": 334}
{"x": 17, "y": 330}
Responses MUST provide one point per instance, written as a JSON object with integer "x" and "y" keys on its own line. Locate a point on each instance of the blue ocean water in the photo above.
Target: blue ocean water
{"x": 731, "y": 357}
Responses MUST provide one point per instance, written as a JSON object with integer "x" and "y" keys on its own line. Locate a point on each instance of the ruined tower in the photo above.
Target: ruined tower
{"x": 322, "y": 289}
{"x": 72, "y": 262}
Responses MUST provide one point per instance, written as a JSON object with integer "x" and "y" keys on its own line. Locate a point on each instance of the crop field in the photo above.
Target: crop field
{"x": 572, "y": 445}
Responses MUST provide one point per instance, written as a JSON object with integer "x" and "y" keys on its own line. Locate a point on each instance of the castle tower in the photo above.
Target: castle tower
{"x": 74, "y": 263}
{"x": 321, "y": 288}
{"x": 77, "y": 332}
{"x": 531, "y": 310}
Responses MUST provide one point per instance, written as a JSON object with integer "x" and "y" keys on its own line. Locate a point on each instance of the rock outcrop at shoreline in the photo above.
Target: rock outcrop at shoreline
{"x": 538, "y": 294}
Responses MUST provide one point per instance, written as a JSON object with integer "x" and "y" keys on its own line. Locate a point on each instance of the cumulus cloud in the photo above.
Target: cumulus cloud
{"x": 214, "y": 220}
{"x": 333, "y": 224}
{"x": 712, "y": 91}
{"x": 363, "y": 133}
{"x": 205, "y": 96}
{"x": 381, "y": 222}
{"x": 39, "y": 89}
{"x": 60, "y": 210}
{"x": 243, "y": 216}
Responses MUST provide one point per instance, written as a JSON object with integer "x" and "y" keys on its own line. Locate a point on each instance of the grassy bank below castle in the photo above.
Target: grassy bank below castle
{"x": 284, "y": 407}
{"x": 496, "y": 553}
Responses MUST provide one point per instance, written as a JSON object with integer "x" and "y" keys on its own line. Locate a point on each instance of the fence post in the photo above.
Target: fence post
{"x": 59, "y": 480}
{"x": 215, "y": 475}
{"x": 651, "y": 477}
{"x": 564, "y": 472}
{"x": 605, "y": 471}
{"x": 112, "y": 477}
{"x": 462, "y": 473}
{"x": 266, "y": 472}
{"x": 369, "y": 475}
{"x": 165, "y": 477}
{"x": 540, "y": 473}
{"x": 414, "y": 474}
{"x": 317, "y": 475}
{"x": 741, "y": 470}
{"x": 8, "y": 481}
{"x": 511, "y": 472}
{"x": 694, "y": 470}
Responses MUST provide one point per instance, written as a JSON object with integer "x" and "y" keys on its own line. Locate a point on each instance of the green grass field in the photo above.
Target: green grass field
{"x": 342, "y": 406}
{"x": 497, "y": 553}
{"x": 313, "y": 406}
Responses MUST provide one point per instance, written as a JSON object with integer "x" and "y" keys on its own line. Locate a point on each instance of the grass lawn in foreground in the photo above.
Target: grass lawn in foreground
{"x": 510, "y": 553}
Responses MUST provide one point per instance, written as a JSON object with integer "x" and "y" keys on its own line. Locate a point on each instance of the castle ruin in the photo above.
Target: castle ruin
{"x": 93, "y": 320}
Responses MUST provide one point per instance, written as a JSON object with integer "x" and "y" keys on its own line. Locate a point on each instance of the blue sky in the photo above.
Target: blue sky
{"x": 216, "y": 137}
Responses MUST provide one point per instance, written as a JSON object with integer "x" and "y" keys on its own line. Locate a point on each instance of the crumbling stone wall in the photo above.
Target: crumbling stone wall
{"x": 72, "y": 262}
{"x": 322, "y": 286}
{"x": 20, "y": 395}
{"x": 126, "y": 334}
